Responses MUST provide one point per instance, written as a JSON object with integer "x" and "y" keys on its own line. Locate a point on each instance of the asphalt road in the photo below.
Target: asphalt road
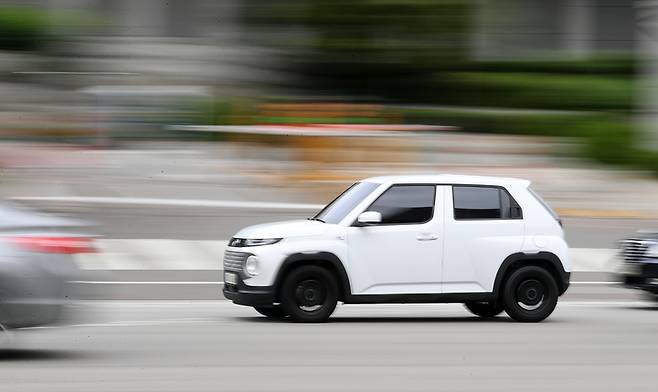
{"x": 216, "y": 346}
{"x": 206, "y": 285}
{"x": 196, "y": 223}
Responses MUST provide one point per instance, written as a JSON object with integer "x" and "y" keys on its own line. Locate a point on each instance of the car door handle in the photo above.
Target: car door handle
{"x": 427, "y": 237}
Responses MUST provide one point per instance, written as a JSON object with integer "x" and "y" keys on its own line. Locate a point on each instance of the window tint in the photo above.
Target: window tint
{"x": 479, "y": 202}
{"x": 406, "y": 204}
{"x": 345, "y": 203}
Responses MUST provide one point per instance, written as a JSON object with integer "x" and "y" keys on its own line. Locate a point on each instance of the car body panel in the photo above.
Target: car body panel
{"x": 394, "y": 259}
{"x": 389, "y": 260}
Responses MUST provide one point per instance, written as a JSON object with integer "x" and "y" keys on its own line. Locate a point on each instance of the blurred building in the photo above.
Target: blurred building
{"x": 197, "y": 41}
{"x": 528, "y": 28}
{"x": 206, "y": 43}
{"x": 155, "y": 18}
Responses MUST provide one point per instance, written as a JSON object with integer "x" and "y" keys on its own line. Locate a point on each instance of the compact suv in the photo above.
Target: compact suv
{"x": 490, "y": 243}
{"x": 639, "y": 262}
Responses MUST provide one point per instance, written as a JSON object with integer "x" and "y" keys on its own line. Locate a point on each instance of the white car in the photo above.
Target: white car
{"x": 490, "y": 243}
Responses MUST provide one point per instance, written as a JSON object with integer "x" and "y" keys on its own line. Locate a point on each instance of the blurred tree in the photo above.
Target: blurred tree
{"x": 31, "y": 28}
{"x": 22, "y": 28}
{"x": 388, "y": 48}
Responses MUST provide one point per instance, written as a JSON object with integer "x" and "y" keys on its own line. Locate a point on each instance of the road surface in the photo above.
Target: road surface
{"x": 215, "y": 346}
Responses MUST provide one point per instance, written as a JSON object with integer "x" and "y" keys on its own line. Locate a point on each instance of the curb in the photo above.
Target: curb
{"x": 604, "y": 214}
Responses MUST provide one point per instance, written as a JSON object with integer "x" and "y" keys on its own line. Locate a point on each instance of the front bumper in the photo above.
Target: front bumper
{"x": 643, "y": 276}
{"x": 566, "y": 280}
{"x": 31, "y": 301}
{"x": 242, "y": 294}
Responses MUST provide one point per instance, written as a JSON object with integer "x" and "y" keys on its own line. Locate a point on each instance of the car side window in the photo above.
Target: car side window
{"x": 405, "y": 204}
{"x": 483, "y": 202}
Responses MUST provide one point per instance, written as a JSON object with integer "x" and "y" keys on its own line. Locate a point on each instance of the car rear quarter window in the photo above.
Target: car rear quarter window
{"x": 406, "y": 204}
{"x": 484, "y": 202}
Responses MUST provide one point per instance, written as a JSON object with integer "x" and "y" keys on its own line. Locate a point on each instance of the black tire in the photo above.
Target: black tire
{"x": 309, "y": 294}
{"x": 530, "y": 294}
{"x": 485, "y": 309}
{"x": 274, "y": 312}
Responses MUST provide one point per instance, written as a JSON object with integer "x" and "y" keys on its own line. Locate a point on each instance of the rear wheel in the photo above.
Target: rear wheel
{"x": 530, "y": 294}
{"x": 485, "y": 309}
{"x": 309, "y": 294}
{"x": 271, "y": 311}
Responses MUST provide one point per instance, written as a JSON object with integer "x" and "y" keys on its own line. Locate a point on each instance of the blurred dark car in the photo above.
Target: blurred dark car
{"x": 639, "y": 267}
{"x": 36, "y": 261}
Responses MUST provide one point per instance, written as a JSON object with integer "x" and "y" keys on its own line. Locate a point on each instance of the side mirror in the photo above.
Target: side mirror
{"x": 369, "y": 218}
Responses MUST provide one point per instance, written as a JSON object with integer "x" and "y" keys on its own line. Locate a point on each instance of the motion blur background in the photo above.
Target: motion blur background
{"x": 179, "y": 98}
{"x": 170, "y": 124}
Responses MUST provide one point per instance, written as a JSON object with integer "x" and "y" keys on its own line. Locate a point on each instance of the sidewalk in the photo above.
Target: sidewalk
{"x": 270, "y": 173}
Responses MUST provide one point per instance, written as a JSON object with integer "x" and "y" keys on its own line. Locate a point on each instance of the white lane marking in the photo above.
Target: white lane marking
{"x": 368, "y": 310}
{"x": 602, "y": 283}
{"x": 138, "y": 323}
{"x": 72, "y": 73}
{"x": 173, "y": 202}
{"x": 222, "y": 303}
{"x": 601, "y": 304}
{"x": 128, "y": 282}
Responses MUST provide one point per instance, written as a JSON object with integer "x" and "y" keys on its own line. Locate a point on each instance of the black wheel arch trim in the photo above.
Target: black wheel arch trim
{"x": 515, "y": 260}
{"x": 511, "y": 262}
{"x": 319, "y": 258}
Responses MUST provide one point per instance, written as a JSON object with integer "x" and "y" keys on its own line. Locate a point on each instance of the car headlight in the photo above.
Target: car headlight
{"x": 244, "y": 242}
{"x": 652, "y": 250}
{"x": 251, "y": 266}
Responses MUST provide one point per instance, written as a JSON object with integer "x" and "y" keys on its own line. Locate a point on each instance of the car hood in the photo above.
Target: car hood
{"x": 293, "y": 228}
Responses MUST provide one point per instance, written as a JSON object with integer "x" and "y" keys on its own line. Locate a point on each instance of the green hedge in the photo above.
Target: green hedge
{"x": 606, "y": 138}
{"x": 22, "y": 28}
{"x": 621, "y": 64}
{"x": 30, "y": 28}
{"x": 533, "y": 90}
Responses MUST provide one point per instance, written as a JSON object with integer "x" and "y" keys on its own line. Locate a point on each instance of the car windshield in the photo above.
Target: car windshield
{"x": 335, "y": 211}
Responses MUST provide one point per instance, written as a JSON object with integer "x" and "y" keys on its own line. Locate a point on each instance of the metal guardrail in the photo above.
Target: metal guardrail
{"x": 319, "y": 130}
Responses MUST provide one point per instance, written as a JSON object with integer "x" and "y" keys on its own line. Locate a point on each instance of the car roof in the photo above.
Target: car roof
{"x": 448, "y": 179}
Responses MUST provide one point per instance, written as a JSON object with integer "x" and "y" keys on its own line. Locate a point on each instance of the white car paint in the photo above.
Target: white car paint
{"x": 464, "y": 257}
{"x": 398, "y": 259}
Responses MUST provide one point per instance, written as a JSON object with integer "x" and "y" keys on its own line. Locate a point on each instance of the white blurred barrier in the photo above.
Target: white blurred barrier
{"x": 157, "y": 254}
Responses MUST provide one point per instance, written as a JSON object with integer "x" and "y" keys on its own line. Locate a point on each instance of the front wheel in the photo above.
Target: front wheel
{"x": 274, "y": 312}
{"x": 485, "y": 309}
{"x": 309, "y": 294}
{"x": 530, "y": 294}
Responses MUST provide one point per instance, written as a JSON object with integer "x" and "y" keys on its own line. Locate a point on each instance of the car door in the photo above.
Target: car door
{"x": 483, "y": 226}
{"x": 403, "y": 253}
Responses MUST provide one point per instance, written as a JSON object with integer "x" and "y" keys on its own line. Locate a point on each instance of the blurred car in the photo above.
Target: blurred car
{"x": 36, "y": 261}
{"x": 639, "y": 262}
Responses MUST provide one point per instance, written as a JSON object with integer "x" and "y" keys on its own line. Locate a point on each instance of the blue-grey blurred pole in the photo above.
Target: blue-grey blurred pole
{"x": 647, "y": 91}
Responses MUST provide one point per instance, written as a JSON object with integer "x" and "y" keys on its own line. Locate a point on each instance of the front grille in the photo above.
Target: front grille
{"x": 233, "y": 260}
{"x": 633, "y": 249}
